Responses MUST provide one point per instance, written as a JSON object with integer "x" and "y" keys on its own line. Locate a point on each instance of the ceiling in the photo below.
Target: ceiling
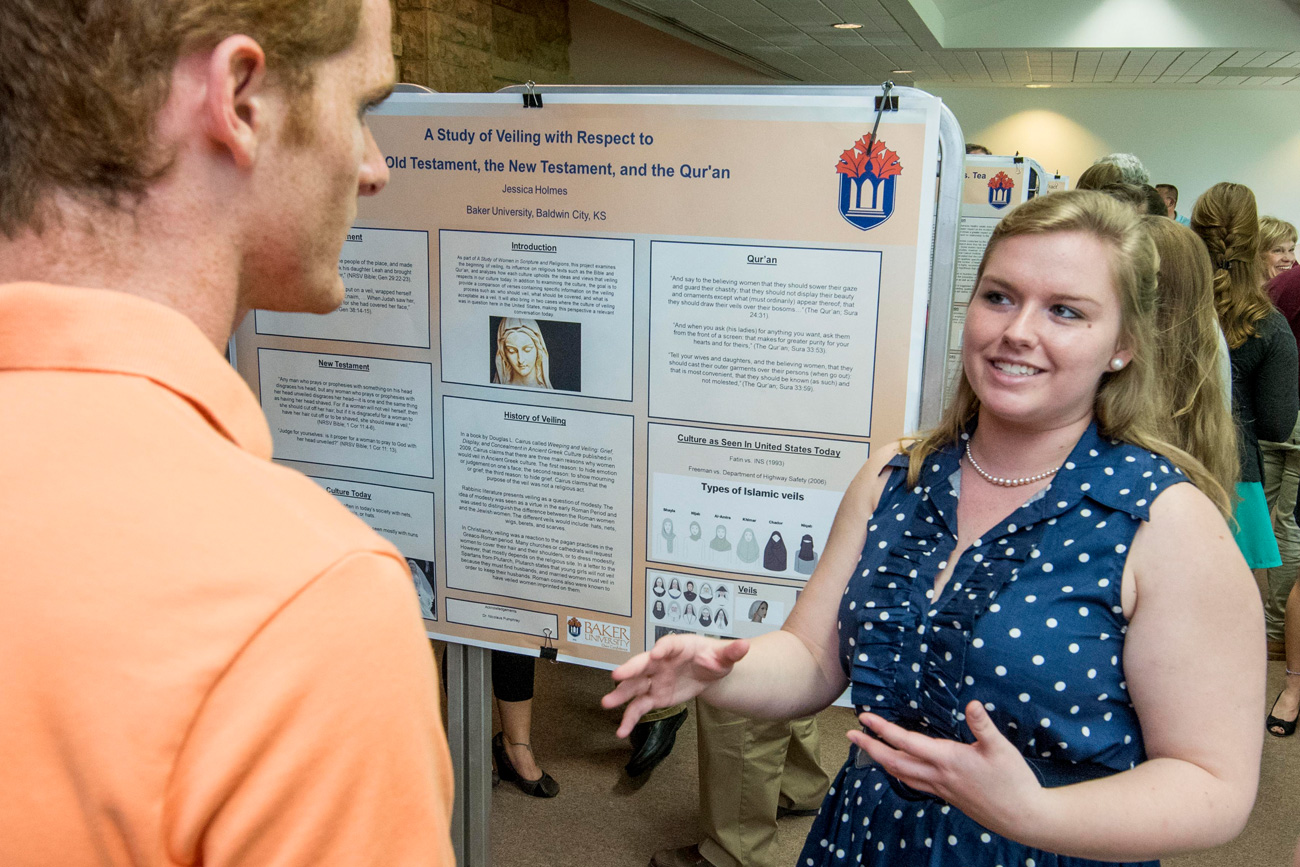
{"x": 1009, "y": 43}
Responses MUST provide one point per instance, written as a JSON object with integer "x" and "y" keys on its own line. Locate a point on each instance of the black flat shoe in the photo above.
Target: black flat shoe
{"x": 543, "y": 787}
{"x": 653, "y": 742}
{"x": 1287, "y": 726}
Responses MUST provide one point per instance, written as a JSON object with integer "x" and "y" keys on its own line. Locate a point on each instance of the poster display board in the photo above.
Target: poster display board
{"x": 993, "y": 186}
{"x": 1055, "y": 183}
{"x": 605, "y": 368}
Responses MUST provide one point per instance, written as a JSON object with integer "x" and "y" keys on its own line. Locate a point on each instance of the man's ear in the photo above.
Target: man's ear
{"x": 237, "y": 110}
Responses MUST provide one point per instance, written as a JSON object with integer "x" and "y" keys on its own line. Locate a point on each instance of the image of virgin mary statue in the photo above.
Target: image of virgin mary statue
{"x": 521, "y": 357}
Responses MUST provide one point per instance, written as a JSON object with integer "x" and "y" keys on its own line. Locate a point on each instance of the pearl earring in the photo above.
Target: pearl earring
{"x": 1117, "y": 364}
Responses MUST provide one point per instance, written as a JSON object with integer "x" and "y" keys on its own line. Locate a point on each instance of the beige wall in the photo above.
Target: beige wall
{"x": 481, "y": 45}
{"x": 609, "y": 48}
{"x": 1192, "y": 138}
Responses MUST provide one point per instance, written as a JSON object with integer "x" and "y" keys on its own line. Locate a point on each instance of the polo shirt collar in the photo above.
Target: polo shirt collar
{"x": 63, "y": 328}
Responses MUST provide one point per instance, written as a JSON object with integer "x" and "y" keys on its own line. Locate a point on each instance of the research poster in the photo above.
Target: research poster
{"x": 605, "y": 368}
{"x": 993, "y": 186}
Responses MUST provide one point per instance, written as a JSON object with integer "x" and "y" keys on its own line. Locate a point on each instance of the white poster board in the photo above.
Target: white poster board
{"x": 629, "y": 336}
{"x": 994, "y": 186}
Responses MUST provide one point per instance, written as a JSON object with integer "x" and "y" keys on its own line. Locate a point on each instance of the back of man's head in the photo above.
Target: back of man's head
{"x": 83, "y": 82}
{"x": 1130, "y": 167}
{"x": 1170, "y": 194}
{"x": 1156, "y": 206}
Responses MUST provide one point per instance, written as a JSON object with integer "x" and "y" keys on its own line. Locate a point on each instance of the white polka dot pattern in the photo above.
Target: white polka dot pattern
{"x": 1042, "y": 656}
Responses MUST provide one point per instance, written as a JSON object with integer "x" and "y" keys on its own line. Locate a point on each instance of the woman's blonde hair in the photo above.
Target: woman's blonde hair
{"x": 1187, "y": 352}
{"x": 1128, "y": 405}
{"x": 1225, "y": 218}
{"x": 1098, "y": 175}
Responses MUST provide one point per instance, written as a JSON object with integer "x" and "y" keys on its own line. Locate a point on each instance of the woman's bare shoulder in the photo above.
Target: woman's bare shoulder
{"x": 864, "y": 492}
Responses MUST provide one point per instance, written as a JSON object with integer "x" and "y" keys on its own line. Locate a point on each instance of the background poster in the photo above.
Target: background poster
{"x": 643, "y": 312}
{"x": 994, "y": 186}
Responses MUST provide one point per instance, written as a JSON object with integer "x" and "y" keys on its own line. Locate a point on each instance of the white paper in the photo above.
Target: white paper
{"x": 386, "y": 275}
{"x": 349, "y": 411}
{"x": 759, "y": 504}
{"x": 759, "y": 336}
{"x": 402, "y": 516}
{"x": 503, "y": 618}
{"x": 539, "y": 503}
{"x": 577, "y": 290}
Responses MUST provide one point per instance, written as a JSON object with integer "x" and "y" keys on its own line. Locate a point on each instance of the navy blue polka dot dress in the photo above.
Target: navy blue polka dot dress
{"x": 1030, "y": 624}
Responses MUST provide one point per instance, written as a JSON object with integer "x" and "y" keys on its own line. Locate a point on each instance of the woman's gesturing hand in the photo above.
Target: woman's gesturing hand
{"x": 677, "y": 668}
{"x": 988, "y": 780}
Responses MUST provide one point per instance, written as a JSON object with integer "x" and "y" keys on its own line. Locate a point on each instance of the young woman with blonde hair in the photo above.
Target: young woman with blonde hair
{"x": 1191, "y": 354}
{"x": 1265, "y": 390}
{"x": 1031, "y": 608}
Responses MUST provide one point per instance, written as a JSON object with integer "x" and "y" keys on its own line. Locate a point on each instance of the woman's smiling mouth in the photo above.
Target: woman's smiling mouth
{"x": 1016, "y": 369}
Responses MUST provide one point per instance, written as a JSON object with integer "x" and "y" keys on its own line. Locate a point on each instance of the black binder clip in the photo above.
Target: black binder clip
{"x": 886, "y": 102}
{"x": 549, "y": 650}
{"x": 532, "y": 99}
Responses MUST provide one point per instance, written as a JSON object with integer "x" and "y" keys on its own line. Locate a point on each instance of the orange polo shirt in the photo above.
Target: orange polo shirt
{"x": 204, "y": 659}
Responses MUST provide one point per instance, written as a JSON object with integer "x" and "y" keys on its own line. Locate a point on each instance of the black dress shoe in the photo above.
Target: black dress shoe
{"x": 543, "y": 787}
{"x": 653, "y": 742}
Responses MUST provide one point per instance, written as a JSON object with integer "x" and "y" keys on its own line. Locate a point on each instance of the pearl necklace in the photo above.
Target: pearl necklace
{"x": 1005, "y": 483}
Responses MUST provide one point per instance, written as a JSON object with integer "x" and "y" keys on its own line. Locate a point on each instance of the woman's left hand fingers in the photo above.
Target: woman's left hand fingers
{"x": 989, "y": 779}
{"x": 911, "y": 770}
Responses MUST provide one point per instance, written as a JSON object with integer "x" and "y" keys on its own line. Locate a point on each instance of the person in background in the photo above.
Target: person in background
{"x": 1265, "y": 390}
{"x": 752, "y": 774}
{"x": 1282, "y": 602}
{"x": 1130, "y": 168}
{"x": 513, "y": 679}
{"x": 1191, "y": 353}
{"x": 982, "y": 584}
{"x": 654, "y": 737}
{"x": 1143, "y": 199}
{"x": 243, "y": 678}
{"x": 1169, "y": 193}
{"x": 1098, "y": 176}
{"x": 1155, "y": 203}
{"x": 1276, "y": 246}
{"x": 1129, "y": 194}
{"x": 972, "y": 148}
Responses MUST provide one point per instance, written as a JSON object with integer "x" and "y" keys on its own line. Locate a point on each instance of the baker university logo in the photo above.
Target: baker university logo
{"x": 868, "y": 172}
{"x": 575, "y": 627}
{"x": 1000, "y": 187}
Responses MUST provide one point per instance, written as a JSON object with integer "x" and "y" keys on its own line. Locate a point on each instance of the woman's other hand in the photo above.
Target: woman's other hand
{"x": 676, "y": 669}
{"x": 988, "y": 780}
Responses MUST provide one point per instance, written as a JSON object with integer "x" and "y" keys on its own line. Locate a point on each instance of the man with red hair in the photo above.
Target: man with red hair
{"x": 204, "y": 658}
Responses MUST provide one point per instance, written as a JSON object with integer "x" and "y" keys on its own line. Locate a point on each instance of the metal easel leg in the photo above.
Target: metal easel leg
{"x": 469, "y": 730}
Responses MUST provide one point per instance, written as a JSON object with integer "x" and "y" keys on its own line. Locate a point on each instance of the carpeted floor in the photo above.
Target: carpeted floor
{"x": 601, "y": 818}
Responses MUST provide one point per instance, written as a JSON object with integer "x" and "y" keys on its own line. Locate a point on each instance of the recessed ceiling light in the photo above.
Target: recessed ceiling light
{"x": 900, "y": 72}
{"x": 847, "y": 26}
{"x": 1037, "y": 86}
